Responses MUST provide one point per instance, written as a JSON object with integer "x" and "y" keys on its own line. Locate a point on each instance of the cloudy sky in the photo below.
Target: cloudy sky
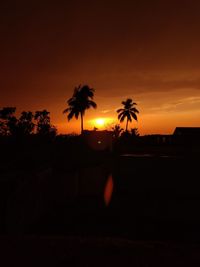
{"x": 146, "y": 50}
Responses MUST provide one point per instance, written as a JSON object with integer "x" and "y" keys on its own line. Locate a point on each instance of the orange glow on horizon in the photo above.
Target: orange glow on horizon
{"x": 154, "y": 123}
{"x": 160, "y": 113}
{"x": 158, "y": 70}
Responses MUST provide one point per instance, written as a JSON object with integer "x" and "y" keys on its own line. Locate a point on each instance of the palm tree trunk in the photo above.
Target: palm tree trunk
{"x": 127, "y": 125}
{"x": 81, "y": 122}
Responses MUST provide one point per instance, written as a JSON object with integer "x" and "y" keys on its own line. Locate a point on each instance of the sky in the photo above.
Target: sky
{"x": 145, "y": 50}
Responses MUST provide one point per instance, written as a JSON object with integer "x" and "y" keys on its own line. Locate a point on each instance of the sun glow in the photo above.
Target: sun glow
{"x": 102, "y": 123}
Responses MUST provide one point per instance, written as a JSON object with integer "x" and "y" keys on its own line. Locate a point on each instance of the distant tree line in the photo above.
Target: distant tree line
{"x": 118, "y": 131}
{"x": 27, "y": 124}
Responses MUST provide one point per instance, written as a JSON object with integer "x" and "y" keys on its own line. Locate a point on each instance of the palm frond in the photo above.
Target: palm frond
{"x": 71, "y": 101}
{"x": 120, "y": 110}
{"x": 92, "y": 104}
{"x": 133, "y": 115}
{"x": 76, "y": 91}
{"x": 134, "y": 110}
{"x": 129, "y": 117}
{"x": 120, "y": 115}
{"x": 76, "y": 114}
{"x": 70, "y": 115}
{"x": 66, "y": 110}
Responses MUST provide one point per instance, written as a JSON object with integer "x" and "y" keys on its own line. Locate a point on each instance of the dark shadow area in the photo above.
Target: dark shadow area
{"x": 135, "y": 191}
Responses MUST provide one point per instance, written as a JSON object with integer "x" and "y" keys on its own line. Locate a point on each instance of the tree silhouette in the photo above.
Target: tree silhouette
{"x": 7, "y": 119}
{"x": 79, "y": 102}
{"x": 117, "y": 130}
{"x": 128, "y": 112}
{"x": 25, "y": 123}
{"x": 134, "y": 132}
{"x": 43, "y": 124}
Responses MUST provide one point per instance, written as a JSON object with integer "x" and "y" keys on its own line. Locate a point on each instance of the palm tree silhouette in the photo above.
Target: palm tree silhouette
{"x": 79, "y": 102}
{"x": 128, "y": 112}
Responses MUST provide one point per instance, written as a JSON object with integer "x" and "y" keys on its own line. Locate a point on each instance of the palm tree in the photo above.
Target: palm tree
{"x": 79, "y": 102}
{"x": 128, "y": 112}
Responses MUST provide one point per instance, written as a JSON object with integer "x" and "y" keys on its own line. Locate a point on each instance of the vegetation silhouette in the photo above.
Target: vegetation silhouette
{"x": 117, "y": 130}
{"x": 26, "y": 124}
{"x": 134, "y": 132}
{"x": 7, "y": 120}
{"x": 128, "y": 112}
{"x": 80, "y": 101}
{"x": 44, "y": 126}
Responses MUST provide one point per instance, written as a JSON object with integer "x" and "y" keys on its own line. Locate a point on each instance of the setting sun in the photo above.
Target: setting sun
{"x": 100, "y": 122}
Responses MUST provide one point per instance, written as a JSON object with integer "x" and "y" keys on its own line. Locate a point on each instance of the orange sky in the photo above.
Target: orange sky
{"x": 146, "y": 50}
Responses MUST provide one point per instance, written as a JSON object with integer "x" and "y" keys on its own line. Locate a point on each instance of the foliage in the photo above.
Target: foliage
{"x": 117, "y": 130}
{"x": 24, "y": 125}
{"x": 80, "y": 101}
{"x": 43, "y": 123}
{"x": 128, "y": 112}
{"x": 134, "y": 132}
{"x": 7, "y": 119}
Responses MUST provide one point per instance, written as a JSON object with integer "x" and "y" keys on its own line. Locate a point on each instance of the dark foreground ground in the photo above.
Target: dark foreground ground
{"x": 79, "y": 251}
{"x": 54, "y": 213}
